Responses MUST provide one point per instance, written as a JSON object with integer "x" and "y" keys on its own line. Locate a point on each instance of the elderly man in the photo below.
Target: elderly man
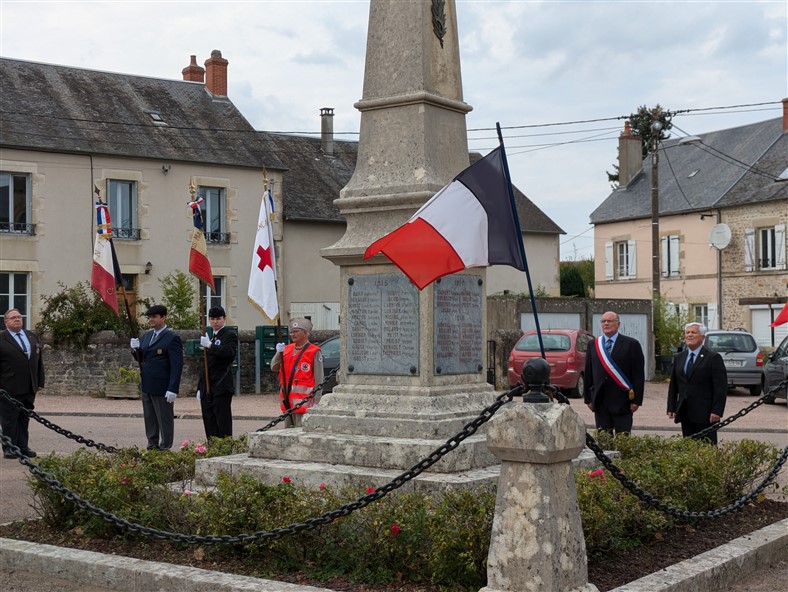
{"x": 161, "y": 352}
{"x": 300, "y": 368}
{"x": 21, "y": 376}
{"x": 698, "y": 385}
{"x": 614, "y": 377}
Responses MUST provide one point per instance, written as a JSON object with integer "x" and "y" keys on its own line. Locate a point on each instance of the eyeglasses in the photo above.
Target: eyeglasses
{"x": 609, "y": 321}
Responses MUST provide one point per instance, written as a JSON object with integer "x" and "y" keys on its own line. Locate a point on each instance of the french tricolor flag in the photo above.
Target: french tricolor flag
{"x": 469, "y": 223}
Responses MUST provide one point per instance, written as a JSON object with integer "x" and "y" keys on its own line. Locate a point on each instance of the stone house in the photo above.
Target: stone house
{"x": 723, "y": 211}
{"x": 141, "y": 141}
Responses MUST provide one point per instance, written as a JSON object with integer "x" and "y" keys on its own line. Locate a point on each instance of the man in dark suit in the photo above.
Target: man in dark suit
{"x": 161, "y": 353}
{"x": 698, "y": 385}
{"x": 614, "y": 377}
{"x": 220, "y": 351}
{"x": 21, "y": 376}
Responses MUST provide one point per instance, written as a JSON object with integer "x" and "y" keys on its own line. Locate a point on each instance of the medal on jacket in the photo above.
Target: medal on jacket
{"x": 612, "y": 369}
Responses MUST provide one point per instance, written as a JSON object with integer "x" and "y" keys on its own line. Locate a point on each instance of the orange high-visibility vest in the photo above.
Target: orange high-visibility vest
{"x": 303, "y": 378}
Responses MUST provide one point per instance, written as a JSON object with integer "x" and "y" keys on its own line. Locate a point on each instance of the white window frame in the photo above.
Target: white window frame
{"x": 123, "y": 208}
{"x": 214, "y": 210}
{"x": 670, "y": 255}
{"x": 12, "y": 297}
{"x": 700, "y": 313}
{"x": 214, "y": 298}
{"x": 764, "y": 248}
{"x": 625, "y": 259}
{"x": 11, "y": 217}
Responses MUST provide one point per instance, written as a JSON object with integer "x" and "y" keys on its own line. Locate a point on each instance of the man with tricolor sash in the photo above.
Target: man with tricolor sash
{"x": 614, "y": 377}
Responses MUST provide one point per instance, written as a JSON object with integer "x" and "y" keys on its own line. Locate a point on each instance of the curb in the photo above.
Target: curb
{"x": 713, "y": 570}
{"x": 719, "y": 568}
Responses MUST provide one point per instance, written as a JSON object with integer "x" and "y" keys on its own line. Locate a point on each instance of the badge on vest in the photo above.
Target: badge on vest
{"x": 305, "y": 367}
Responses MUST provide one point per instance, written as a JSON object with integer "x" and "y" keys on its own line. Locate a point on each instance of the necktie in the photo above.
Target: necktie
{"x": 608, "y": 345}
{"x": 154, "y": 338}
{"x": 22, "y": 343}
{"x": 690, "y": 362}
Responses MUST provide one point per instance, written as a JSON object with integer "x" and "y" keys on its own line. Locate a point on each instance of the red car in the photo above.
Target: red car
{"x": 565, "y": 351}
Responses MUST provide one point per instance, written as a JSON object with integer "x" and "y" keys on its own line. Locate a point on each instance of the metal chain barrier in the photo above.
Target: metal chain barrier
{"x": 306, "y": 401}
{"x": 56, "y": 428}
{"x": 649, "y": 499}
{"x": 248, "y": 538}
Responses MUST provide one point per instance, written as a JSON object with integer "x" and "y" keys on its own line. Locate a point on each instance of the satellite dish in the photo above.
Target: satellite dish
{"x": 720, "y": 236}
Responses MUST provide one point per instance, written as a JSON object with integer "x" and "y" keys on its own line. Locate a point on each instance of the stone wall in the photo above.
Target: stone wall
{"x": 72, "y": 371}
{"x": 503, "y": 321}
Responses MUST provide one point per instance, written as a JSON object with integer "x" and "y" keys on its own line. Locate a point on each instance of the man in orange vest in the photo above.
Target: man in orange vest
{"x": 300, "y": 368}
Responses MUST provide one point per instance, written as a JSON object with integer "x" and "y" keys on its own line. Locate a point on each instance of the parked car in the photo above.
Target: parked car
{"x": 330, "y": 349}
{"x": 742, "y": 357}
{"x": 776, "y": 370}
{"x": 565, "y": 351}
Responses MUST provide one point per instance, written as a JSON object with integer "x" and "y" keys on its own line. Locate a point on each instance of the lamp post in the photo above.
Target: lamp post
{"x": 656, "y": 127}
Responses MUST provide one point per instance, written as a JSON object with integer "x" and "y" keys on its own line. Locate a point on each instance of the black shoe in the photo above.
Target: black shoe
{"x": 29, "y": 453}
{"x": 9, "y": 454}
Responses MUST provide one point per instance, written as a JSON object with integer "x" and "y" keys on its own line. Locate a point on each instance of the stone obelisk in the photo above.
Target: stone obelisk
{"x": 411, "y": 362}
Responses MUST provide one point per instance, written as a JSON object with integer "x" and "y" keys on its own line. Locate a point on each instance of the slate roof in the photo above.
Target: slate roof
{"x": 73, "y": 110}
{"x": 731, "y": 167}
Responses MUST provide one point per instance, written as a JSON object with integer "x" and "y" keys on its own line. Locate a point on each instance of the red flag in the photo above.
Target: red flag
{"x": 105, "y": 276}
{"x": 199, "y": 266}
{"x": 469, "y": 223}
{"x": 782, "y": 318}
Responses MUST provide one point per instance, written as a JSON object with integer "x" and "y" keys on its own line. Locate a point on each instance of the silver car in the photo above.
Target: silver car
{"x": 742, "y": 357}
{"x": 776, "y": 369}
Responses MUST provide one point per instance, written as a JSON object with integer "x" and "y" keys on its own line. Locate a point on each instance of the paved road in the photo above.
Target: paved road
{"x": 118, "y": 422}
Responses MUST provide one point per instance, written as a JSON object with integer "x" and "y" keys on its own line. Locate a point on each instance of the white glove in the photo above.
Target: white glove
{"x": 198, "y": 395}
{"x": 205, "y": 341}
{"x": 134, "y": 343}
{"x": 280, "y": 347}
{"x": 170, "y": 396}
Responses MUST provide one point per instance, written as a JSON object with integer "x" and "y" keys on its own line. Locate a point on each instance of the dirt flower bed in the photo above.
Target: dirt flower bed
{"x": 616, "y": 569}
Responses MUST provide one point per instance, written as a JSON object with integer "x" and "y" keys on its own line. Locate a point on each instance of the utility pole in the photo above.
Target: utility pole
{"x": 656, "y": 128}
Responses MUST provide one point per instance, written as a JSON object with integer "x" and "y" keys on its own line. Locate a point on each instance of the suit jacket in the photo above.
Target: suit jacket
{"x": 162, "y": 363}
{"x": 18, "y": 374}
{"x": 220, "y": 357}
{"x": 693, "y": 398}
{"x": 601, "y": 391}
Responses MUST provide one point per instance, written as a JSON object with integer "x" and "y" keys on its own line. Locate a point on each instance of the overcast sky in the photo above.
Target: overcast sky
{"x": 523, "y": 64}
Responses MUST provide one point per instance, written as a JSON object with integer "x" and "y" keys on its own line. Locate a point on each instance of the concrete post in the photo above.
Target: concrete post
{"x": 537, "y": 542}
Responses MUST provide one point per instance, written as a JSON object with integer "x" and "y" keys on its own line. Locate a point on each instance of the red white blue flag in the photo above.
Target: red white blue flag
{"x": 199, "y": 266}
{"x": 471, "y": 222}
{"x": 105, "y": 275}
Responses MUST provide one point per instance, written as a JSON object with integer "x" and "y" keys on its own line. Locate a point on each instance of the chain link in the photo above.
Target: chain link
{"x": 306, "y": 401}
{"x": 649, "y": 499}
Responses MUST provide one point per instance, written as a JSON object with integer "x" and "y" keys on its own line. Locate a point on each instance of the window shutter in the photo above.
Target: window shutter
{"x": 609, "y": 261}
{"x": 749, "y": 249}
{"x": 673, "y": 241}
{"x": 664, "y": 245}
{"x": 632, "y": 272}
{"x": 712, "y": 308}
{"x": 779, "y": 245}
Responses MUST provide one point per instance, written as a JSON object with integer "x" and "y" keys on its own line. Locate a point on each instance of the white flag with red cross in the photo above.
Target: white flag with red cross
{"x": 262, "y": 278}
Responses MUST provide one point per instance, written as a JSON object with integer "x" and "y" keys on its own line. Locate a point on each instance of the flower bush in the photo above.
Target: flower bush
{"x": 402, "y": 537}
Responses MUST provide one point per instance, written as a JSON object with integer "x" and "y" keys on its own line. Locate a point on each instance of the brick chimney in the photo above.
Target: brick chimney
{"x": 327, "y": 130}
{"x": 216, "y": 74}
{"x": 630, "y": 155}
{"x": 193, "y": 72}
{"x": 785, "y": 114}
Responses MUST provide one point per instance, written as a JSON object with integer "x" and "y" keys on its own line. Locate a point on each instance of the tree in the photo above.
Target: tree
{"x": 571, "y": 282}
{"x": 178, "y": 295}
{"x": 641, "y": 126}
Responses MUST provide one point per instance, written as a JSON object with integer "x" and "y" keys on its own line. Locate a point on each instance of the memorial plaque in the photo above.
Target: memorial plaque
{"x": 382, "y": 325}
{"x": 458, "y": 325}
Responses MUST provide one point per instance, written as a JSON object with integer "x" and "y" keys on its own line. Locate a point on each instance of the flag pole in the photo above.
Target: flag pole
{"x": 520, "y": 237}
{"x": 282, "y": 378}
{"x": 135, "y": 353}
{"x": 202, "y": 287}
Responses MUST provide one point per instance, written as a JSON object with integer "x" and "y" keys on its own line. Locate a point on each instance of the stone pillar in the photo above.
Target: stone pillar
{"x": 537, "y": 542}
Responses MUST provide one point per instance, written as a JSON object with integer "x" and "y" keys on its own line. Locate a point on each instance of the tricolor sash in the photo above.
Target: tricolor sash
{"x": 610, "y": 367}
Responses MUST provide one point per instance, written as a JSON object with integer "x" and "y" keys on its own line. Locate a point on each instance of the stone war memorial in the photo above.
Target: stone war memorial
{"x": 411, "y": 372}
